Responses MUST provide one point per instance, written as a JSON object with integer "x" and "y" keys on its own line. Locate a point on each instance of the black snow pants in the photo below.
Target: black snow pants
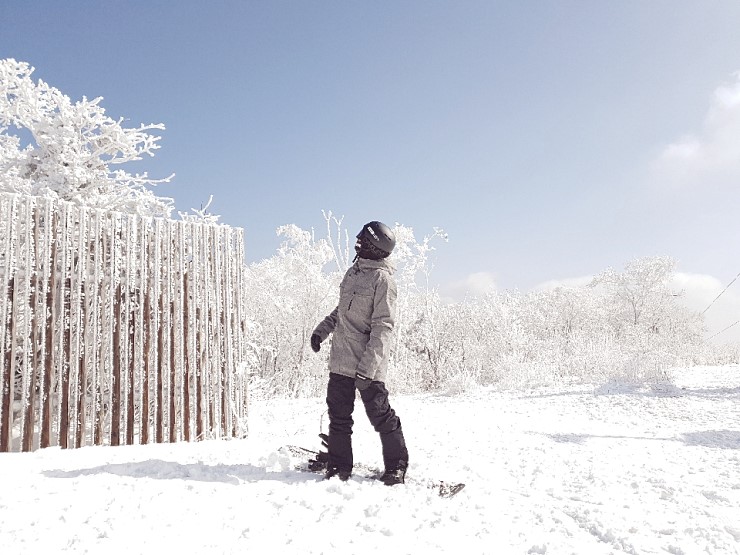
{"x": 340, "y": 398}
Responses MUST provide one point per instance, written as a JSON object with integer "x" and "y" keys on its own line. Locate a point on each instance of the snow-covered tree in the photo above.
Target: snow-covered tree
{"x": 51, "y": 146}
{"x": 641, "y": 298}
{"x": 644, "y": 316}
{"x": 288, "y": 294}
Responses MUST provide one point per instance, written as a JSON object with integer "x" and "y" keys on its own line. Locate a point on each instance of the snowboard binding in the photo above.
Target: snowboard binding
{"x": 320, "y": 460}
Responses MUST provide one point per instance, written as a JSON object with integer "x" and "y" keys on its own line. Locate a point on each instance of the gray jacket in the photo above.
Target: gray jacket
{"x": 363, "y": 321}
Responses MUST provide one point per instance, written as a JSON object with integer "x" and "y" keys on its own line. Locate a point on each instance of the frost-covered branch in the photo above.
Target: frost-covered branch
{"x": 201, "y": 215}
{"x": 72, "y": 149}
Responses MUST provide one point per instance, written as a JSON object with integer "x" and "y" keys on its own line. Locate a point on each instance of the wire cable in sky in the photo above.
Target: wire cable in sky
{"x": 718, "y": 296}
{"x": 724, "y": 330}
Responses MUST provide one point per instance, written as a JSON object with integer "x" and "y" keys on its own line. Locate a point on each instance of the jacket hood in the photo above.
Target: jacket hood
{"x": 383, "y": 264}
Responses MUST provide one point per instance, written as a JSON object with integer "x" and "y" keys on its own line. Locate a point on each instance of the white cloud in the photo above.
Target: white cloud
{"x": 582, "y": 281}
{"x": 475, "y": 284}
{"x": 699, "y": 291}
{"x": 710, "y": 157}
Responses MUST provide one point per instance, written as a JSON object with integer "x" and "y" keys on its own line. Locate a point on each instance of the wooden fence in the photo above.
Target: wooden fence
{"x": 117, "y": 329}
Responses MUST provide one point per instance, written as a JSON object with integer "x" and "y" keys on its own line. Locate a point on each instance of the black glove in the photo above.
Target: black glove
{"x": 315, "y": 343}
{"x": 362, "y": 382}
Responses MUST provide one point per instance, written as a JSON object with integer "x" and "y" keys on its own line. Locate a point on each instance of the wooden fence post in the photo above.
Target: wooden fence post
{"x": 8, "y": 378}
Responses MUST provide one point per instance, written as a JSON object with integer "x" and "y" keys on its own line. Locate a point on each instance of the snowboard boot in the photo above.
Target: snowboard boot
{"x": 335, "y": 471}
{"x": 393, "y": 477}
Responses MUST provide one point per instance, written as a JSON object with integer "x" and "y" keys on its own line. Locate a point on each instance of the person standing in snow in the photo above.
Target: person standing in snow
{"x": 362, "y": 324}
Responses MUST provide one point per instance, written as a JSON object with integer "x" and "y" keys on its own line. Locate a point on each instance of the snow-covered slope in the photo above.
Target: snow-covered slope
{"x": 565, "y": 470}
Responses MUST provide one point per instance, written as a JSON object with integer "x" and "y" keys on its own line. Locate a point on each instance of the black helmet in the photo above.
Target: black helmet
{"x": 375, "y": 241}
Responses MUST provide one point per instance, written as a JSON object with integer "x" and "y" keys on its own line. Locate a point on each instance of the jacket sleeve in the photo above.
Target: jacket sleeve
{"x": 327, "y": 325}
{"x": 381, "y": 327}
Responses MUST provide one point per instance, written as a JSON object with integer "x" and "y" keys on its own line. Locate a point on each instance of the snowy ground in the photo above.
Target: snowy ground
{"x": 549, "y": 471}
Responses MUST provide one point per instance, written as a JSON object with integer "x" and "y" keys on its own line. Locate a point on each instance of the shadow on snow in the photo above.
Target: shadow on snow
{"x": 641, "y": 390}
{"x": 720, "y": 439}
{"x": 169, "y": 470}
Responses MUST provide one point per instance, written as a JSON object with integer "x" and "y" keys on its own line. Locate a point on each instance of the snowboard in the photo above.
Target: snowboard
{"x": 316, "y": 461}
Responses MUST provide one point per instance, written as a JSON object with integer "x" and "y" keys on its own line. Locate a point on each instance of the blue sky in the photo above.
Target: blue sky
{"x": 551, "y": 140}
